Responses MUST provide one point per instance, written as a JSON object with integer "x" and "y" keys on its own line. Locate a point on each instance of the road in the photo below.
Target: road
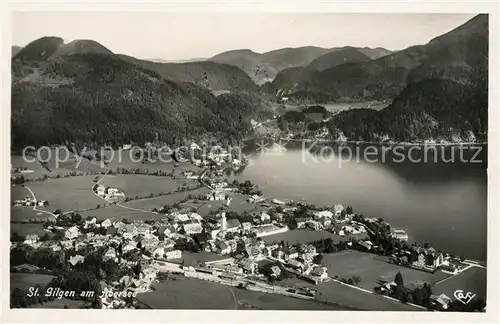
{"x": 371, "y": 292}
{"x": 118, "y": 204}
{"x": 34, "y": 207}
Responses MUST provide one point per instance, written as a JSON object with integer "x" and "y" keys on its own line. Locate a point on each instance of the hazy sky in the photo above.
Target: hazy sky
{"x": 182, "y": 35}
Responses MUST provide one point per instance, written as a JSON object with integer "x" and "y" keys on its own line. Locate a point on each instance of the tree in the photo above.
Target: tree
{"x": 356, "y": 280}
{"x": 318, "y": 259}
{"x": 15, "y": 237}
{"x": 399, "y": 279}
{"x": 462, "y": 258}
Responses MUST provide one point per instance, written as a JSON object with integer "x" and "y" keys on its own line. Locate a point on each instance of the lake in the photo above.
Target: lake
{"x": 444, "y": 204}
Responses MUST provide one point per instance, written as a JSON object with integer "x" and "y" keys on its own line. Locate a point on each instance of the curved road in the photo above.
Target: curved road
{"x": 34, "y": 207}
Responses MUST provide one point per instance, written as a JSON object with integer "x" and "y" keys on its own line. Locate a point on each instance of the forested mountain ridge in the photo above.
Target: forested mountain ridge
{"x": 454, "y": 55}
{"x": 100, "y": 98}
{"x": 432, "y": 110}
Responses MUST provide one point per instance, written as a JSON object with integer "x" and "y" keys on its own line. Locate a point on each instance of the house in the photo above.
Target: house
{"x": 246, "y": 226}
{"x": 149, "y": 243}
{"x": 290, "y": 254}
{"x": 314, "y": 225}
{"x": 106, "y": 223}
{"x": 255, "y": 199}
{"x": 278, "y": 254}
{"x": 129, "y": 231}
{"x": 222, "y": 247}
{"x": 441, "y": 302}
{"x": 31, "y": 239}
{"x": 323, "y": 214}
{"x": 265, "y": 218}
{"x": 302, "y": 222}
{"x": 195, "y": 217}
{"x": 428, "y": 258}
{"x": 233, "y": 225}
{"x": 130, "y": 246}
{"x": 101, "y": 191}
{"x": 72, "y": 233}
{"x": 216, "y": 195}
{"x": 111, "y": 231}
{"x": 278, "y": 202}
{"x": 166, "y": 230}
{"x": 192, "y": 228}
{"x": 178, "y": 217}
{"x": 297, "y": 265}
{"x": 113, "y": 193}
{"x": 388, "y": 287}
{"x": 110, "y": 253}
{"x": 173, "y": 254}
{"x": 400, "y": 235}
{"x": 90, "y": 223}
{"x": 275, "y": 271}
{"x": 249, "y": 266}
{"x": 144, "y": 229}
{"x": 74, "y": 260}
{"x": 338, "y": 210}
{"x": 42, "y": 203}
{"x": 366, "y": 244}
{"x": 319, "y": 274}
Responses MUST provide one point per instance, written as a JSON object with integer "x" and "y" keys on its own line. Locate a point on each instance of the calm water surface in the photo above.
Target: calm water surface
{"x": 443, "y": 204}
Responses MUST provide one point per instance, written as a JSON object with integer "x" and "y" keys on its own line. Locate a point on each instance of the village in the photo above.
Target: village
{"x": 150, "y": 250}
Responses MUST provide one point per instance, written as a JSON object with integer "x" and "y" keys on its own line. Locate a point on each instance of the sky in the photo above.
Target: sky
{"x": 184, "y": 35}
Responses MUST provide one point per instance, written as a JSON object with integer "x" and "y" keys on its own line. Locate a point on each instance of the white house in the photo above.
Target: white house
{"x": 173, "y": 254}
{"x": 110, "y": 253}
{"x": 320, "y": 274}
{"x": 74, "y": 260}
{"x": 195, "y": 217}
{"x": 72, "y": 233}
{"x": 106, "y": 223}
{"x": 323, "y": 213}
{"x": 193, "y": 228}
{"x": 101, "y": 191}
{"x": 264, "y": 217}
{"x": 278, "y": 202}
{"x": 90, "y": 223}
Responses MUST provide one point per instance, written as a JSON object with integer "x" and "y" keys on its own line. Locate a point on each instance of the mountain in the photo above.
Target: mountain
{"x": 211, "y": 75}
{"x": 263, "y": 67}
{"x": 15, "y": 50}
{"x": 432, "y": 109}
{"x": 375, "y": 53}
{"x": 102, "y": 98}
{"x": 45, "y": 48}
{"x": 199, "y": 59}
{"x": 455, "y": 56}
{"x": 253, "y": 64}
{"x": 341, "y": 56}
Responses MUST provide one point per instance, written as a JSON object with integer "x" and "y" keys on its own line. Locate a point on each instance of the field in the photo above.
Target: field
{"x": 336, "y": 293}
{"x": 471, "y": 280}
{"x": 303, "y": 236}
{"x": 116, "y": 213}
{"x": 189, "y": 294}
{"x": 259, "y": 300}
{"x": 72, "y": 193}
{"x": 25, "y": 229}
{"x": 60, "y": 303}
{"x": 142, "y": 185}
{"x": 372, "y": 268}
{"x": 24, "y": 281}
{"x": 171, "y": 199}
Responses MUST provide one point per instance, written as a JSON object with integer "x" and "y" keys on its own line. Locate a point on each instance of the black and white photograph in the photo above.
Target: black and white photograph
{"x": 258, "y": 161}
